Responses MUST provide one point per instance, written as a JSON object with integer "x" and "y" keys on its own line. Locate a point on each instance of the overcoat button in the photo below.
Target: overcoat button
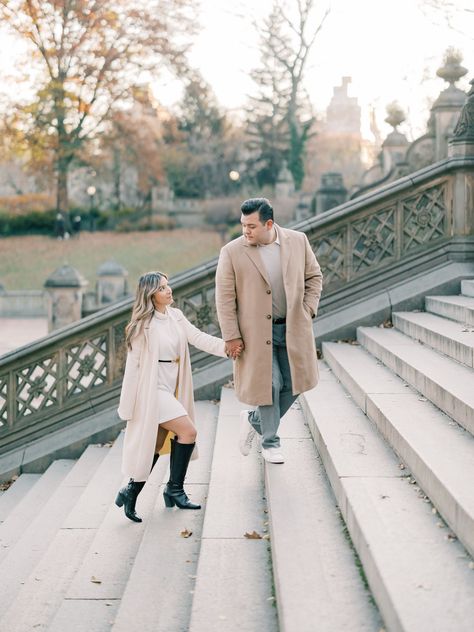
{"x": 269, "y": 291}
{"x": 269, "y": 315}
{"x": 269, "y": 342}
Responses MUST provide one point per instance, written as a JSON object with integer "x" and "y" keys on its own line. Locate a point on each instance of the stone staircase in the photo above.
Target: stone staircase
{"x": 368, "y": 526}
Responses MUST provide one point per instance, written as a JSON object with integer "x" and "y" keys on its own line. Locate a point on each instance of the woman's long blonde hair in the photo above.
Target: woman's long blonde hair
{"x": 143, "y": 307}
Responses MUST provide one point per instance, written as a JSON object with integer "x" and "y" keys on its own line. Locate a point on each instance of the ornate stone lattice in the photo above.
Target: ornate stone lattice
{"x": 330, "y": 253}
{"x": 373, "y": 239}
{"x": 37, "y": 386}
{"x": 86, "y": 365}
{"x": 424, "y": 218}
{"x": 3, "y": 401}
{"x": 199, "y": 308}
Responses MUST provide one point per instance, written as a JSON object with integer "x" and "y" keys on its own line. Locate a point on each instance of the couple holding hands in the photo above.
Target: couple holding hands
{"x": 268, "y": 284}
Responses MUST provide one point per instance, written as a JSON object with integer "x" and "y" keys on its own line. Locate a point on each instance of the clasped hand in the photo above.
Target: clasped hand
{"x": 234, "y": 348}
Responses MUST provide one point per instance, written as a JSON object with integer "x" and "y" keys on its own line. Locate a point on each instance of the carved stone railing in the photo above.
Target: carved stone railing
{"x": 77, "y": 370}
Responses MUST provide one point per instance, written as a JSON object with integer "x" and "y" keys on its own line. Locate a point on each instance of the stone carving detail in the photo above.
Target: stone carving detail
{"x": 36, "y": 386}
{"x": 86, "y": 365}
{"x": 464, "y": 129}
{"x": 373, "y": 239}
{"x": 199, "y": 308}
{"x": 3, "y": 401}
{"x": 424, "y": 218}
{"x": 330, "y": 253}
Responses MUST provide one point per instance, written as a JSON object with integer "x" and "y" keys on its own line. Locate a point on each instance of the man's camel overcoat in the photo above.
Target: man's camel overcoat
{"x": 244, "y": 309}
{"x": 139, "y": 388}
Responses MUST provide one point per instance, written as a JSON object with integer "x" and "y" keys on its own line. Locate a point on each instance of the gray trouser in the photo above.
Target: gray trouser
{"x": 266, "y": 419}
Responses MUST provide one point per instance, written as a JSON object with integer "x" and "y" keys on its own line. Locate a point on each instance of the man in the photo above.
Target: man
{"x": 268, "y": 285}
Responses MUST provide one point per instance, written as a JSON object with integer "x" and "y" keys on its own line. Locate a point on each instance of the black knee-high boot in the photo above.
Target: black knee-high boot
{"x": 128, "y": 495}
{"x": 174, "y": 493}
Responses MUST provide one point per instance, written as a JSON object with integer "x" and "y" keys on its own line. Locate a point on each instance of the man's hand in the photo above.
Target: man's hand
{"x": 234, "y": 348}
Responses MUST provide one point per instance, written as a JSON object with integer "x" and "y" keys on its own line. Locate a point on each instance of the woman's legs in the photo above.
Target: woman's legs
{"x": 181, "y": 449}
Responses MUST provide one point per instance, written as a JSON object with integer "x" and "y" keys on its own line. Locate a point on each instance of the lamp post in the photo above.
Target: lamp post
{"x": 91, "y": 190}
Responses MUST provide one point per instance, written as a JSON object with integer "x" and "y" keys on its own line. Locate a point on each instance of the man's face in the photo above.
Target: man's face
{"x": 254, "y": 231}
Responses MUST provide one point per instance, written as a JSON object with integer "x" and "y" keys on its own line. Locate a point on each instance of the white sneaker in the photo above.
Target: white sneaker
{"x": 246, "y": 434}
{"x": 273, "y": 455}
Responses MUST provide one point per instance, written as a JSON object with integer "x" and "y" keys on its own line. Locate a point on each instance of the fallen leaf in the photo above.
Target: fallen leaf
{"x": 252, "y": 536}
{"x": 185, "y": 533}
{"x": 94, "y": 580}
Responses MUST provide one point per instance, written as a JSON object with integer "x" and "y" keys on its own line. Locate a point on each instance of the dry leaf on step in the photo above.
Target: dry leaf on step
{"x": 252, "y": 536}
{"x": 94, "y": 580}
{"x": 185, "y": 533}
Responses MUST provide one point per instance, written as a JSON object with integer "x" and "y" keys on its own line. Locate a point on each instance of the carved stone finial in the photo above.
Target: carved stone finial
{"x": 464, "y": 130}
{"x": 452, "y": 70}
{"x": 396, "y": 115}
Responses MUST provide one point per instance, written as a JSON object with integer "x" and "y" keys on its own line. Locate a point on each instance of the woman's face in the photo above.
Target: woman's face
{"x": 163, "y": 295}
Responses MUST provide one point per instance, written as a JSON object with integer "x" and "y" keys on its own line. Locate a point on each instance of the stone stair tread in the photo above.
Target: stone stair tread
{"x": 445, "y": 382}
{"x": 458, "y": 308}
{"x": 415, "y": 436}
{"x": 106, "y": 568}
{"x": 23, "y": 557}
{"x": 237, "y": 568}
{"x": 166, "y": 561}
{"x": 42, "y": 592}
{"x": 393, "y": 530}
{"x": 15, "y": 493}
{"x": 312, "y": 558}
{"x": 26, "y": 510}
{"x": 467, "y": 287}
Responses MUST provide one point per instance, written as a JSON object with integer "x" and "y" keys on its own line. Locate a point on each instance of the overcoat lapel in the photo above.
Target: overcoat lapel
{"x": 285, "y": 251}
{"x": 254, "y": 255}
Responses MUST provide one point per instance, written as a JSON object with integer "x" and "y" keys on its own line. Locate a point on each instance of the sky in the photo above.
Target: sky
{"x": 390, "y": 48}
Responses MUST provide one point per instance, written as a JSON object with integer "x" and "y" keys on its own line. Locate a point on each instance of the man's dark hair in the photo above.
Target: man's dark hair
{"x": 262, "y": 205}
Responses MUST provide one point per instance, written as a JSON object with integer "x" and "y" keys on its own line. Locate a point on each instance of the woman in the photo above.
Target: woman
{"x": 157, "y": 391}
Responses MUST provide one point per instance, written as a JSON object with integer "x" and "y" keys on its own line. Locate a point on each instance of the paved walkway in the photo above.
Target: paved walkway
{"x": 16, "y": 332}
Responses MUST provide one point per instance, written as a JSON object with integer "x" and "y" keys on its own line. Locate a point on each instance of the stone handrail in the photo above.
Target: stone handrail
{"x": 77, "y": 370}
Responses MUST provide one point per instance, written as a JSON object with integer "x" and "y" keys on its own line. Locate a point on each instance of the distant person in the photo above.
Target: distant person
{"x": 157, "y": 391}
{"x": 76, "y": 225}
{"x": 60, "y": 226}
{"x": 268, "y": 284}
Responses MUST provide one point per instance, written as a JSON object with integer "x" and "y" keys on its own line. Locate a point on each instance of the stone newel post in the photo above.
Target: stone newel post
{"x": 64, "y": 293}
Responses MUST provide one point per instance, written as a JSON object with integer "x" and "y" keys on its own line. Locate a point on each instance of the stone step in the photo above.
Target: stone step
{"x": 27, "y": 509}
{"x": 23, "y": 557}
{"x": 444, "y": 335}
{"x": 93, "y": 598}
{"x": 312, "y": 556}
{"x": 419, "y": 579}
{"x": 443, "y": 381}
{"x": 460, "y": 308}
{"x": 467, "y": 287}
{"x": 233, "y": 590}
{"x": 426, "y": 439}
{"x": 166, "y": 561}
{"x": 42, "y": 592}
{"x": 15, "y": 493}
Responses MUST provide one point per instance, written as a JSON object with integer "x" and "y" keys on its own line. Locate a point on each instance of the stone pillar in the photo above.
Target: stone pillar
{"x": 394, "y": 147}
{"x": 331, "y": 193}
{"x": 64, "y": 293}
{"x": 461, "y": 145}
{"x": 112, "y": 283}
{"x": 446, "y": 108}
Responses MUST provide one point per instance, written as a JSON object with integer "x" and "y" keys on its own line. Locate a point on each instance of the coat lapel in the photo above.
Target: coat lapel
{"x": 284, "y": 250}
{"x": 254, "y": 256}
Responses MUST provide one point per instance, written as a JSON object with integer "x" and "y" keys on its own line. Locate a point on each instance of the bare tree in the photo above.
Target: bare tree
{"x": 287, "y": 35}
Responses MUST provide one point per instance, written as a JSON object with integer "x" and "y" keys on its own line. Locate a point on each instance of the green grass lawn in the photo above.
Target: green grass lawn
{"x": 26, "y": 262}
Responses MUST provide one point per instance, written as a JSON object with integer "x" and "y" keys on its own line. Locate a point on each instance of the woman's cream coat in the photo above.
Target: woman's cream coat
{"x": 139, "y": 388}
